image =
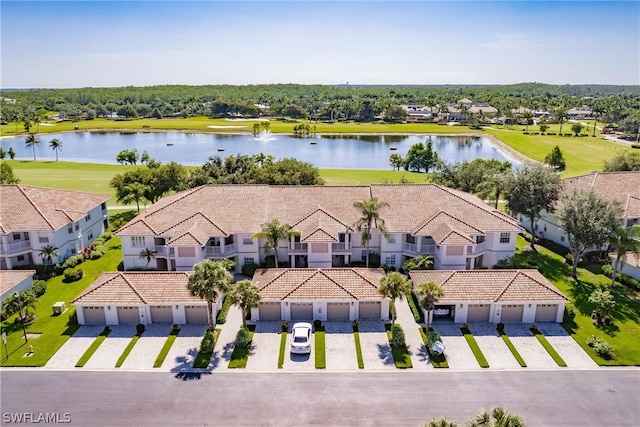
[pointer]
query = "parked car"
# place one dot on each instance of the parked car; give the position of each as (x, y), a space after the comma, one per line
(301, 338)
(438, 347)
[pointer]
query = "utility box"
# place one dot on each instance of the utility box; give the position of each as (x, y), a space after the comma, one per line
(59, 308)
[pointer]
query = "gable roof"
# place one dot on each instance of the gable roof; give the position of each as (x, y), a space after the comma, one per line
(322, 283)
(490, 285)
(317, 212)
(11, 278)
(632, 259)
(139, 287)
(25, 207)
(623, 187)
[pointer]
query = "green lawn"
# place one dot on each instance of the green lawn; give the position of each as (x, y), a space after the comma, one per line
(437, 361)
(93, 348)
(320, 350)
(165, 348)
(203, 359)
(623, 333)
(55, 330)
(475, 348)
(512, 348)
(356, 338)
(401, 357)
(283, 348)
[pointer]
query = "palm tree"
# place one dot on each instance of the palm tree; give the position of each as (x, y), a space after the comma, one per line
(245, 295)
(11, 153)
(133, 192)
(26, 300)
(626, 240)
(561, 116)
(498, 417)
(370, 211)
(394, 286)
(47, 253)
(147, 254)
(430, 293)
(209, 280)
(440, 422)
(272, 232)
(527, 115)
(31, 142)
(56, 145)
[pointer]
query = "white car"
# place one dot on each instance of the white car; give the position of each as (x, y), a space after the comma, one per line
(301, 338)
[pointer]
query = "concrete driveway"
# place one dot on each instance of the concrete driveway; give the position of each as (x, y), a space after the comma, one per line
(492, 345)
(340, 346)
(266, 346)
(112, 347)
(566, 346)
(146, 350)
(185, 348)
(376, 351)
(299, 362)
(69, 354)
(457, 351)
(533, 353)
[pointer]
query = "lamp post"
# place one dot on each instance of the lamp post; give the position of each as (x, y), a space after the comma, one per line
(24, 330)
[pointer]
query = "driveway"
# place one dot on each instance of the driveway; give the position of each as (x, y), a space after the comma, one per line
(146, 350)
(298, 362)
(185, 347)
(266, 346)
(69, 354)
(112, 347)
(566, 346)
(533, 353)
(340, 346)
(492, 345)
(376, 351)
(457, 351)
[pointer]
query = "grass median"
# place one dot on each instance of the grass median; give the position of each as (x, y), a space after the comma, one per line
(475, 348)
(356, 338)
(437, 360)
(400, 354)
(547, 346)
(320, 350)
(165, 348)
(283, 348)
(93, 348)
(240, 355)
(203, 358)
(512, 348)
(128, 349)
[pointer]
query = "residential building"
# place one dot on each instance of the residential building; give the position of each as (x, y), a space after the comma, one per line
(631, 265)
(34, 217)
(457, 229)
(498, 296)
(622, 187)
(12, 281)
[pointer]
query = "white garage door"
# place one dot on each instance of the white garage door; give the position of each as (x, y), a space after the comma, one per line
(161, 314)
(338, 311)
(478, 312)
(94, 315)
(128, 315)
(370, 309)
(197, 314)
(546, 312)
(512, 313)
(301, 311)
(270, 310)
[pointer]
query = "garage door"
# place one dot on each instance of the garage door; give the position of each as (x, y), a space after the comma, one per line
(302, 311)
(161, 314)
(197, 314)
(128, 315)
(546, 312)
(512, 313)
(338, 311)
(370, 309)
(270, 310)
(94, 315)
(478, 312)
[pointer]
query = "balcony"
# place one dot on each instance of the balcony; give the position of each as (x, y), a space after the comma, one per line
(341, 247)
(298, 248)
(221, 251)
(477, 249)
(15, 247)
(423, 250)
(164, 251)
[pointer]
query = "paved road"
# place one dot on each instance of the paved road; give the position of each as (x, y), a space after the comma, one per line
(602, 397)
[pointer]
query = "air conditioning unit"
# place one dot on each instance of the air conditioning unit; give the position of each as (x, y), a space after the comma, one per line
(59, 308)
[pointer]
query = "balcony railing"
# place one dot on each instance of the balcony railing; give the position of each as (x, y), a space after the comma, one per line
(424, 249)
(164, 250)
(478, 248)
(15, 247)
(341, 247)
(298, 247)
(221, 250)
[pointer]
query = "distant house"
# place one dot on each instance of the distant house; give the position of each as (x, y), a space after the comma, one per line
(498, 296)
(622, 187)
(34, 217)
(579, 113)
(631, 266)
(12, 281)
(463, 110)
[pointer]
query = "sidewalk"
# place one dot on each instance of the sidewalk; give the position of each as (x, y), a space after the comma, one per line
(224, 345)
(417, 349)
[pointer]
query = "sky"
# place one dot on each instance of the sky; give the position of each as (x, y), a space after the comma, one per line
(66, 44)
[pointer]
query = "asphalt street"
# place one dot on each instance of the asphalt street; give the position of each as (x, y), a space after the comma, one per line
(599, 397)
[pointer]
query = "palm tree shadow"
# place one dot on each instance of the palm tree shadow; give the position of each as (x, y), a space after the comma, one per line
(228, 349)
(384, 354)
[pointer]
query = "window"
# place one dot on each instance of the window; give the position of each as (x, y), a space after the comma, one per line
(391, 238)
(77, 226)
(90, 235)
(247, 241)
(87, 218)
(16, 236)
(480, 239)
(70, 228)
(20, 258)
(137, 241)
(43, 237)
(562, 238)
(104, 206)
(505, 237)
(248, 260)
(390, 260)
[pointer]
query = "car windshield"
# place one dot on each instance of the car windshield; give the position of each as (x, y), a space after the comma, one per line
(300, 339)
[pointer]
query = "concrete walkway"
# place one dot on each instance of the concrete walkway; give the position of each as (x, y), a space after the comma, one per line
(417, 349)
(229, 330)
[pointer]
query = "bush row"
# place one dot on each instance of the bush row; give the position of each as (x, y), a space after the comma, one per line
(622, 278)
(73, 274)
(414, 304)
(222, 314)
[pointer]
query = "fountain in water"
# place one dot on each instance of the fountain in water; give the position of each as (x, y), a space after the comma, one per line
(264, 136)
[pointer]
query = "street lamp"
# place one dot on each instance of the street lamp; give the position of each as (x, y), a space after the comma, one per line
(24, 330)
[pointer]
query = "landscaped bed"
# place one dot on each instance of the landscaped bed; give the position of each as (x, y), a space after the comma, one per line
(437, 360)
(240, 355)
(203, 358)
(320, 350)
(401, 356)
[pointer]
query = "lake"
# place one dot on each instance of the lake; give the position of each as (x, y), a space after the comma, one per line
(325, 152)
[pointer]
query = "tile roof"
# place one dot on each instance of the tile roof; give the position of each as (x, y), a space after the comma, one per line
(623, 187)
(139, 287)
(36, 208)
(631, 259)
(11, 278)
(318, 211)
(490, 285)
(323, 283)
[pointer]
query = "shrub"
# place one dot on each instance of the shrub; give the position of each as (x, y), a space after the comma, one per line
(534, 326)
(592, 340)
(414, 304)
(243, 338)
(222, 314)
(175, 327)
(569, 259)
(317, 324)
(73, 274)
(626, 280)
(355, 323)
(207, 343)
(569, 314)
(140, 328)
(432, 337)
(73, 319)
(607, 270)
(285, 325)
(397, 336)
(249, 269)
(500, 327)
(39, 287)
(71, 262)
(97, 252)
(602, 347)
(464, 326)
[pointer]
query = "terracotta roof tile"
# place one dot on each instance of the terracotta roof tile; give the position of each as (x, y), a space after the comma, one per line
(632, 259)
(35, 208)
(10, 278)
(623, 187)
(490, 285)
(139, 288)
